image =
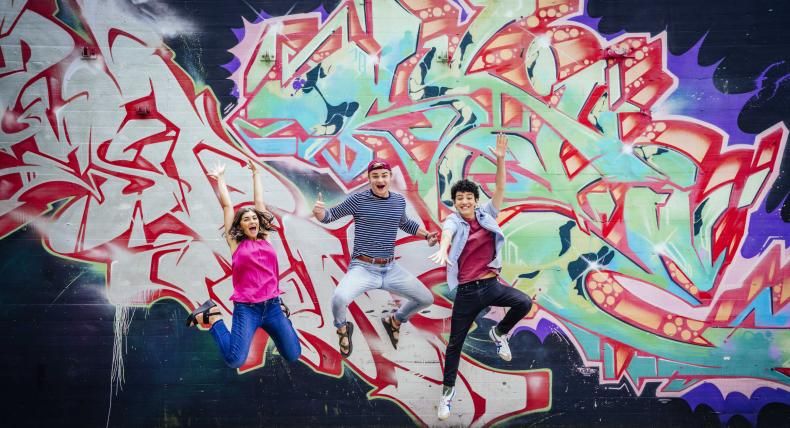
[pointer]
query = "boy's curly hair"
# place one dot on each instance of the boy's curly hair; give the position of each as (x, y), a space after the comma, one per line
(465, 186)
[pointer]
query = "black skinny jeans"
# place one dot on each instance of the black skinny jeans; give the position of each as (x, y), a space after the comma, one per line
(473, 297)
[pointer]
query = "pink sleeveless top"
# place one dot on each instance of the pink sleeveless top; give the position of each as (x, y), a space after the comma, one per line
(256, 275)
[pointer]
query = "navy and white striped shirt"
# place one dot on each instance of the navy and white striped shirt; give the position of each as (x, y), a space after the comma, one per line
(376, 220)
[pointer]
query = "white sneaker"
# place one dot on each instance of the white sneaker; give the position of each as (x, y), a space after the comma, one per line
(444, 404)
(502, 347)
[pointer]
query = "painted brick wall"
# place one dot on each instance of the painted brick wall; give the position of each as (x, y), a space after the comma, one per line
(646, 206)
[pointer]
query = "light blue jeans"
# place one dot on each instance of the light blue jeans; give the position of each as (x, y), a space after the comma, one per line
(363, 277)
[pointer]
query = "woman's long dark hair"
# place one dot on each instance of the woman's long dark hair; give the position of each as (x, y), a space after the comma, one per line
(264, 222)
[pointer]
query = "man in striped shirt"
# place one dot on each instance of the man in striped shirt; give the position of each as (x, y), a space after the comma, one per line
(378, 213)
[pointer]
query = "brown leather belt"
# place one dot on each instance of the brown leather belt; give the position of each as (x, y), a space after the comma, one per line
(375, 260)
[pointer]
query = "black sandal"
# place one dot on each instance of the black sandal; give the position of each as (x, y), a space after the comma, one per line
(347, 336)
(205, 310)
(391, 331)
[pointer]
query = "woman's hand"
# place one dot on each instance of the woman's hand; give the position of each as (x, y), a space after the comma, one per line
(251, 165)
(217, 172)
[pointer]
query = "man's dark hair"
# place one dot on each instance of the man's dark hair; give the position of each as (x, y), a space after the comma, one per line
(465, 186)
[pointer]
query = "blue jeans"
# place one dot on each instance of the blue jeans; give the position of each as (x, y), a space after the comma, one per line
(247, 317)
(363, 277)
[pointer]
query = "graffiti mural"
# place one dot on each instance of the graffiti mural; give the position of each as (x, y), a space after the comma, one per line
(651, 237)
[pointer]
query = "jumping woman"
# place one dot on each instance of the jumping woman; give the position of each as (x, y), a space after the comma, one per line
(256, 290)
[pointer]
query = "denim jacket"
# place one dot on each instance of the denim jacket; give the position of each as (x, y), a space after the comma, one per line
(459, 228)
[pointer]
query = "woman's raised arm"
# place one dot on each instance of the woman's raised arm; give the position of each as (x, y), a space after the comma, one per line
(218, 172)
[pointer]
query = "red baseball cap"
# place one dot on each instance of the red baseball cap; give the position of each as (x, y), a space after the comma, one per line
(378, 164)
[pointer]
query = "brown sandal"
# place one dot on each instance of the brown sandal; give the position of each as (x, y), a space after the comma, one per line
(392, 331)
(347, 336)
